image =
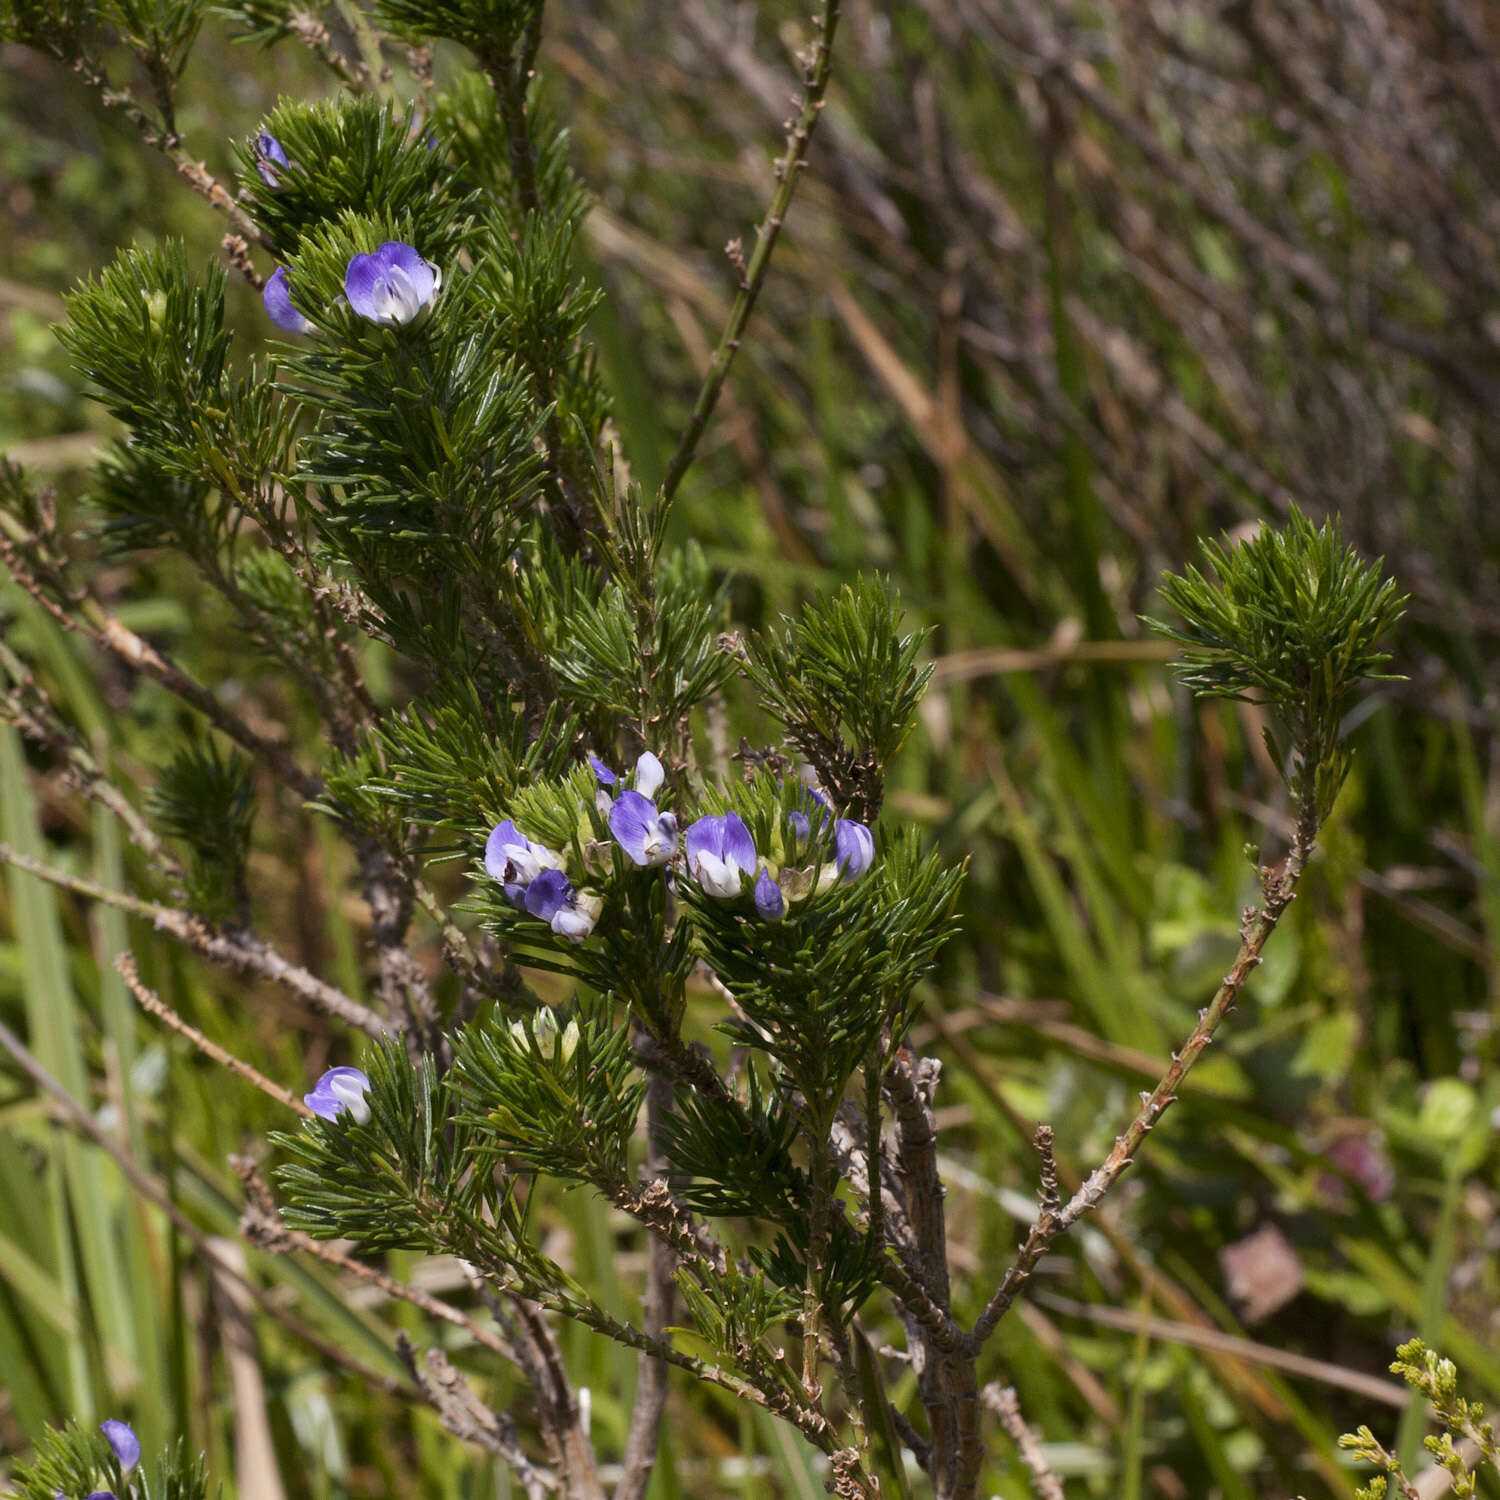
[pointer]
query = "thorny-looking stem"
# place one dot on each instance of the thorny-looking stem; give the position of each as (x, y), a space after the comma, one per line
(656, 1314)
(154, 1005)
(788, 169)
(236, 950)
(1279, 887)
(1002, 1401)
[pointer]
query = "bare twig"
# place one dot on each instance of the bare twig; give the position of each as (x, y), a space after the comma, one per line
(1002, 1401)
(237, 950)
(154, 1005)
(788, 168)
(1280, 887)
(656, 1314)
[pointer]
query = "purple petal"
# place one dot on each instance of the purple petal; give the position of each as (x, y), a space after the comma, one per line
(548, 894)
(98, 1495)
(801, 828)
(769, 901)
(602, 772)
(277, 297)
(495, 857)
(398, 257)
(738, 846)
(269, 156)
(706, 836)
(340, 1089)
(363, 276)
(123, 1440)
(632, 820)
(853, 848)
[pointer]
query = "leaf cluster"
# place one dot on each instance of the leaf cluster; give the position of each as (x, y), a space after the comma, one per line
(207, 800)
(392, 1182)
(1291, 619)
(490, 28)
(845, 680)
(354, 156)
(544, 1099)
(832, 983)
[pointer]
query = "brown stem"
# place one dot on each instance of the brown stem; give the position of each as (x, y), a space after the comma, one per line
(1002, 1401)
(788, 169)
(1280, 886)
(656, 1314)
(236, 950)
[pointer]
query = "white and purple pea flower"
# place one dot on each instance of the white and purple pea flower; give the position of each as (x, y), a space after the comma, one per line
(340, 1090)
(533, 880)
(392, 285)
(853, 848)
(646, 834)
(269, 158)
(721, 856)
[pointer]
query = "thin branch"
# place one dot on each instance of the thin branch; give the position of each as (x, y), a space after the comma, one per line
(788, 170)
(236, 950)
(1002, 1401)
(1280, 887)
(153, 1004)
(644, 1436)
(469, 1419)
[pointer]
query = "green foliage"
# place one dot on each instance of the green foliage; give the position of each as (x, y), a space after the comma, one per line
(832, 983)
(1293, 620)
(547, 1097)
(1462, 1422)
(150, 339)
(354, 157)
(491, 28)
(77, 1460)
(160, 32)
(844, 680)
(207, 800)
(391, 1182)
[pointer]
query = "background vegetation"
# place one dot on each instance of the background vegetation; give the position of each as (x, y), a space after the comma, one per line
(1065, 288)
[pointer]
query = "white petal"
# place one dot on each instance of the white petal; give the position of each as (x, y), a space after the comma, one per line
(649, 774)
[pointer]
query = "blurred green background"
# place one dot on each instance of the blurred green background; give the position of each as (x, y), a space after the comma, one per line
(1065, 288)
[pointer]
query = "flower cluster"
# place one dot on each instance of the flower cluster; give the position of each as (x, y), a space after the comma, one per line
(534, 881)
(392, 286)
(720, 853)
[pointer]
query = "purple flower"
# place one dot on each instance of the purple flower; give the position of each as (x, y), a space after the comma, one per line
(277, 297)
(853, 848)
(602, 773)
(720, 852)
(817, 805)
(513, 860)
(769, 901)
(552, 899)
(340, 1089)
(123, 1440)
(268, 157)
(97, 1495)
(649, 837)
(392, 285)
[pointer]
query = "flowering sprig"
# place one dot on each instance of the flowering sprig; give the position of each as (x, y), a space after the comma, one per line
(646, 834)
